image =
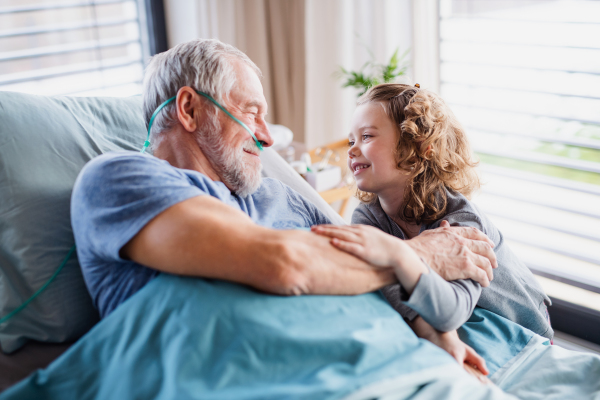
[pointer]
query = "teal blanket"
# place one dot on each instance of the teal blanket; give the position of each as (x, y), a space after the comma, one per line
(185, 338)
(182, 338)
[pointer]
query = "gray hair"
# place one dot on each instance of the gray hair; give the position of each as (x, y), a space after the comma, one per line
(202, 64)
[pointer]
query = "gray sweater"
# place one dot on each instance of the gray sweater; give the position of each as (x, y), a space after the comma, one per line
(513, 293)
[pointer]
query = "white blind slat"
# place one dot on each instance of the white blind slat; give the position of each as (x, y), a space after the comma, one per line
(81, 82)
(563, 83)
(555, 34)
(549, 239)
(36, 75)
(65, 27)
(75, 47)
(541, 104)
(66, 48)
(522, 56)
(55, 6)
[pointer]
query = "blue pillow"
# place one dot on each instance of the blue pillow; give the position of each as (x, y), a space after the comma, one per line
(44, 143)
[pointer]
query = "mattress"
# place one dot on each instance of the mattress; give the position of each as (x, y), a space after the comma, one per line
(34, 355)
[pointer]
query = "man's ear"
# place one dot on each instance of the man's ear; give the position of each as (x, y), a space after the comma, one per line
(187, 106)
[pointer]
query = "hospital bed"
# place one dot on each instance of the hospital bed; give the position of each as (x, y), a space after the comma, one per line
(204, 338)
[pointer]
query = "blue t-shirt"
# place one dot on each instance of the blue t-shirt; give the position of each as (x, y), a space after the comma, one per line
(117, 194)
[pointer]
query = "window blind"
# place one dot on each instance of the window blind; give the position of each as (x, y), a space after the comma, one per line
(523, 77)
(83, 48)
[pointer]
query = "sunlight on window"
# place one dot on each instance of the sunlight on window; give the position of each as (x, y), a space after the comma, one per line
(523, 77)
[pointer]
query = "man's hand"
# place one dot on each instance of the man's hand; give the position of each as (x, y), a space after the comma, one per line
(451, 343)
(457, 253)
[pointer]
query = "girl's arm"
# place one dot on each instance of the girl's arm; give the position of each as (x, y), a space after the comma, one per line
(449, 341)
(378, 249)
(444, 305)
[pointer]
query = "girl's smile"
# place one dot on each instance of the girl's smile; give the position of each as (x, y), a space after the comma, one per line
(358, 168)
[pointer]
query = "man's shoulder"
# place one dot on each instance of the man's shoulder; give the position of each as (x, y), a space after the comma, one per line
(119, 160)
(126, 168)
(274, 184)
(125, 180)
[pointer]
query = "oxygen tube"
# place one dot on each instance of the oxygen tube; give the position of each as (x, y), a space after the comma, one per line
(147, 142)
(40, 290)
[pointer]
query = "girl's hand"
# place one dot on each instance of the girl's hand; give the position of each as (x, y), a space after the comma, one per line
(365, 242)
(472, 362)
(462, 353)
(378, 249)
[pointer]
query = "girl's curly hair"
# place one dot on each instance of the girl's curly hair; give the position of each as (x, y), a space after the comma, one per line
(432, 147)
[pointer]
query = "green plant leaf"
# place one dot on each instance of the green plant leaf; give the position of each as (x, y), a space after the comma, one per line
(372, 73)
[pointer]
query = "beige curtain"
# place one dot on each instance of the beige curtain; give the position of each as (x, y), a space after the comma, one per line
(271, 33)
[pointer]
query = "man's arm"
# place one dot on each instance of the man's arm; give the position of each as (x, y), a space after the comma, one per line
(203, 237)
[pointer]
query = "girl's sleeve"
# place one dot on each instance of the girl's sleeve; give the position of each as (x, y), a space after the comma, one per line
(447, 305)
(444, 305)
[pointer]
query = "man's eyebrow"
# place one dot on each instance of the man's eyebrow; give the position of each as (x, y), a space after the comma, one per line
(254, 103)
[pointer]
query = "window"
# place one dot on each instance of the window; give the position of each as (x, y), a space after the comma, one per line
(82, 48)
(523, 77)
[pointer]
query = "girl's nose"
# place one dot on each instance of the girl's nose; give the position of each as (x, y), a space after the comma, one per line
(353, 151)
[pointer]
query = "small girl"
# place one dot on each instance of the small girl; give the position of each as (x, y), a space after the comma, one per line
(413, 169)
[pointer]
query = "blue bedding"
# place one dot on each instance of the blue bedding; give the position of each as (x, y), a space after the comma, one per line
(184, 338)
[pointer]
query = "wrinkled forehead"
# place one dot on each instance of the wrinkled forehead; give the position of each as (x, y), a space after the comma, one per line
(247, 90)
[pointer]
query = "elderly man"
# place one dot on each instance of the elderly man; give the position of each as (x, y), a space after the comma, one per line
(198, 207)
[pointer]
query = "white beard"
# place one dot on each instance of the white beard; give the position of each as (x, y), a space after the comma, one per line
(241, 177)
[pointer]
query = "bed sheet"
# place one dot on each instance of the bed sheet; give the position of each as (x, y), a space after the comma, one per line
(184, 338)
(544, 372)
(188, 338)
(23, 362)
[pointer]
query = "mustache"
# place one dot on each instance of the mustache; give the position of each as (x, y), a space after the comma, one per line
(251, 147)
